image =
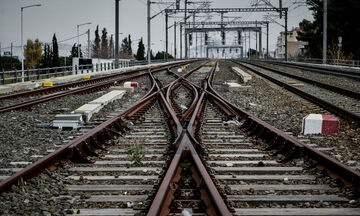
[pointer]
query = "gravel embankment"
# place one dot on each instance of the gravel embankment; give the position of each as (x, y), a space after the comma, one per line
(334, 80)
(285, 111)
(39, 196)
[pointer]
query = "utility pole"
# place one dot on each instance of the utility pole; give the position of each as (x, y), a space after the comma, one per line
(325, 32)
(175, 40)
(244, 48)
(192, 35)
(186, 41)
(260, 43)
(166, 36)
(181, 42)
(249, 47)
(89, 43)
(148, 32)
(256, 40)
(117, 33)
(11, 53)
(267, 40)
(286, 33)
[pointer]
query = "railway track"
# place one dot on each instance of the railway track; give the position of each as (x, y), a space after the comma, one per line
(340, 101)
(210, 159)
(352, 74)
(11, 101)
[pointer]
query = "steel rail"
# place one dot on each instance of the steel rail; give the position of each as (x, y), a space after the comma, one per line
(164, 196)
(287, 145)
(326, 105)
(81, 147)
(316, 69)
(91, 88)
(346, 92)
(92, 139)
(75, 84)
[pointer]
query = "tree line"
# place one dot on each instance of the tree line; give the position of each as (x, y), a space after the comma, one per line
(38, 55)
(342, 22)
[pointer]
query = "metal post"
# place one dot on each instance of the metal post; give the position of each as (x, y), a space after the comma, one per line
(78, 42)
(148, 32)
(267, 40)
(11, 53)
(117, 34)
(286, 33)
(196, 45)
(244, 46)
(181, 41)
(166, 36)
(175, 40)
(22, 42)
(22, 47)
(186, 41)
(325, 32)
(249, 47)
(256, 41)
(89, 44)
(1, 67)
(260, 43)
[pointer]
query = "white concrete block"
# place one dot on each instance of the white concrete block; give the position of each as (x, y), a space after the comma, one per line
(320, 124)
(234, 86)
(88, 110)
(109, 97)
(243, 75)
(131, 84)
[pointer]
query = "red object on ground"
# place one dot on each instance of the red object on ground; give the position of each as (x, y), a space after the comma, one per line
(131, 84)
(320, 124)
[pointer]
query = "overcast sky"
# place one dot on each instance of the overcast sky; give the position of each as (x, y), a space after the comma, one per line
(62, 16)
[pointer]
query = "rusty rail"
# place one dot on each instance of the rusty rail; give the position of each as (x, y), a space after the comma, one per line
(185, 145)
(65, 86)
(325, 104)
(83, 146)
(285, 144)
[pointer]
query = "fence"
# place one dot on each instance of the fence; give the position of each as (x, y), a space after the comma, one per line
(8, 77)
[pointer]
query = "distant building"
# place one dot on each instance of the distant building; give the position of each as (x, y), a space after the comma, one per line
(8, 54)
(295, 47)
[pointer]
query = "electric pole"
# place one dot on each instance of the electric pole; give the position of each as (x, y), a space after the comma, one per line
(148, 32)
(117, 33)
(325, 32)
(186, 42)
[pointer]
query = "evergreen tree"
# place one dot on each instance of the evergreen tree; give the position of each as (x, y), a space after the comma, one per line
(111, 48)
(55, 53)
(152, 57)
(129, 52)
(342, 22)
(46, 60)
(74, 51)
(104, 45)
(96, 44)
(140, 54)
(124, 49)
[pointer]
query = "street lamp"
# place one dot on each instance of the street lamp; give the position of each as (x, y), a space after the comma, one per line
(78, 48)
(22, 36)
